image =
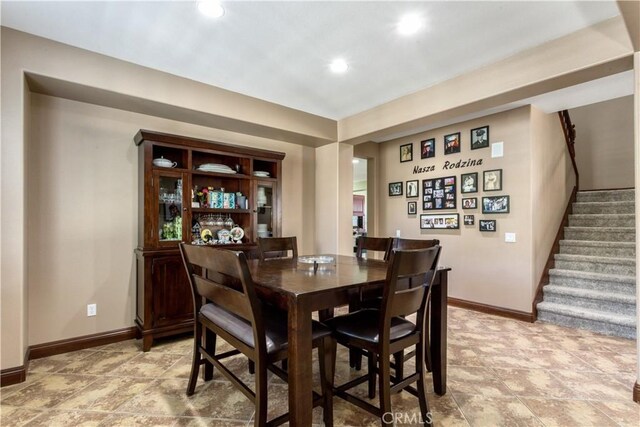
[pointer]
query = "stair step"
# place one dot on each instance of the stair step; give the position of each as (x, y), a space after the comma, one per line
(605, 234)
(605, 301)
(584, 318)
(587, 280)
(596, 264)
(603, 208)
(606, 195)
(602, 220)
(594, 248)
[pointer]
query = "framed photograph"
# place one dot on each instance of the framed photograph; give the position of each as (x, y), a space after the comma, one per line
(406, 153)
(452, 143)
(412, 208)
(495, 204)
(487, 225)
(412, 188)
(395, 188)
(480, 137)
(492, 180)
(439, 193)
(428, 148)
(470, 203)
(469, 220)
(440, 221)
(469, 182)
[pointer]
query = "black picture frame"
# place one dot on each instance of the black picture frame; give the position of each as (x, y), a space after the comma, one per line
(496, 204)
(428, 148)
(439, 193)
(452, 143)
(446, 221)
(413, 189)
(395, 188)
(406, 152)
(412, 208)
(469, 183)
(492, 180)
(479, 137)
(469, 203)
(487, 225)
(469, 220)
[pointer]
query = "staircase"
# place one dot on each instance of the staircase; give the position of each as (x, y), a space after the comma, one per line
(593, 284)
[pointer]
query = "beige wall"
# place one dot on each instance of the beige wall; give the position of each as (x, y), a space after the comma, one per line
(485, 269)
(552, 181)
(82, 211)
(604, 144)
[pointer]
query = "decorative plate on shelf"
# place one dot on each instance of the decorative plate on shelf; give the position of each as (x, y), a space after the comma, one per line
(223, 235)
(236, 233)
(206, 235)
(262, 174)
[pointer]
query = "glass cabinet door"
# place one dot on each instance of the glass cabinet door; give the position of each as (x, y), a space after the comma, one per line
(170, 224)
(266, 209)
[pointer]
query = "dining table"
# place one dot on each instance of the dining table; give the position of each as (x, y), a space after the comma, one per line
(303, 288)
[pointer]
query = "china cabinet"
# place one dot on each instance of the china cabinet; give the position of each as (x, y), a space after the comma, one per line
(201, 192)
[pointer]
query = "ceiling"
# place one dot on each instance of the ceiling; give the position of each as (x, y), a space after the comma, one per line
(280, 51)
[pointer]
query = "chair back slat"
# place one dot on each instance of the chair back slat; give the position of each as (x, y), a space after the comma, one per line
(408, 266)
(277, 247)
(404, 244)
(378, 244)
(224, 296)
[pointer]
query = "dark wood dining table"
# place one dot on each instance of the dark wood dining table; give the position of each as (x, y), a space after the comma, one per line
(301, 290)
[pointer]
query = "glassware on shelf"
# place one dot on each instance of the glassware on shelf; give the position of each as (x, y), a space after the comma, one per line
(228, 223)
(219, 222)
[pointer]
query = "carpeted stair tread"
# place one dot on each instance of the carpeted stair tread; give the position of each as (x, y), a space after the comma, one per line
(595, 259)
(602, 220)
(585, 313)
(593, 276)
(615, 207)
(608, 195)
(608, 229)
(598, 244)
(591, 294)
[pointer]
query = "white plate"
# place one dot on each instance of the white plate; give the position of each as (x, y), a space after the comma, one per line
(236, 233)
(261, 173)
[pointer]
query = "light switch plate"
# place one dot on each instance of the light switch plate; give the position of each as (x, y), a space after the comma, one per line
(510, 237)
(397, 233)
(497, 149)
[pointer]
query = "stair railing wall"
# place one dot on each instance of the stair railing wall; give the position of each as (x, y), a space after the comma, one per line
(569, 130)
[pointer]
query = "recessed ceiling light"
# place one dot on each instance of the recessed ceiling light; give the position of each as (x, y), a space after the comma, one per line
(211, 8)
(339, 66)
(409, 24)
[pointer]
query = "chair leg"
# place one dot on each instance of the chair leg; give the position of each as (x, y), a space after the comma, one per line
(327, 358)
(251, 366)
(398, 360)
(285, 364)
(355, 359)
(210, 346)
(384, 375)
(373, 362)
(261, 395)
(197, 357)
(422, 386)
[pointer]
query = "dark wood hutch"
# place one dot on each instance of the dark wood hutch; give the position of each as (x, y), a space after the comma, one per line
(168, 215)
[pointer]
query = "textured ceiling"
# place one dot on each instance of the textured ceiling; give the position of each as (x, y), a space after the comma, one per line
(280, 51)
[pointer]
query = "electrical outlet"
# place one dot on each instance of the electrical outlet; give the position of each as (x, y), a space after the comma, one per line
(92, 310)
(397, 233)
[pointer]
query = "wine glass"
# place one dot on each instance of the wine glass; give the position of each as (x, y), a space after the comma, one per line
(228, 223)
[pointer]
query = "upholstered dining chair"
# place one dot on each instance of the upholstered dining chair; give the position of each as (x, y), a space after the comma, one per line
(381, 332)
(277, 247)
(226, 305)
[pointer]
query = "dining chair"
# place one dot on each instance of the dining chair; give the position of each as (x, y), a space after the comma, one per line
(381, 332)
(368, 244)
(226, 305)
(277, 247)
(372, 300)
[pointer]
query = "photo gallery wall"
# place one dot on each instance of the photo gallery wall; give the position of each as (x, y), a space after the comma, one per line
(441, 194)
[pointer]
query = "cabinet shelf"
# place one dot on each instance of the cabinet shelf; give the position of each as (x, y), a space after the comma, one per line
(213, 210)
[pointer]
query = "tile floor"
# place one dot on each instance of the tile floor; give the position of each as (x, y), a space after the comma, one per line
(501, 373)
